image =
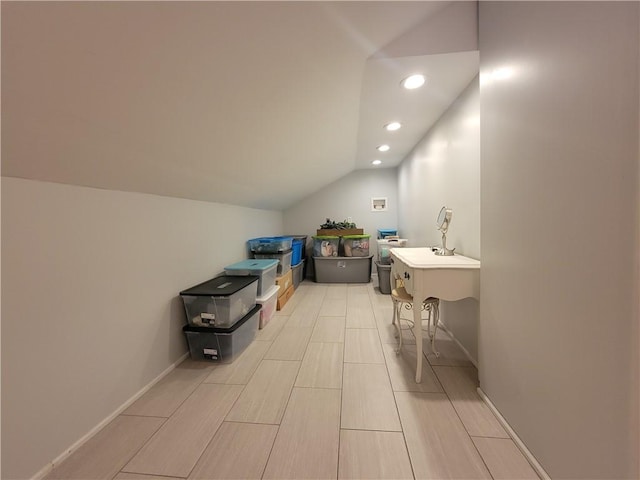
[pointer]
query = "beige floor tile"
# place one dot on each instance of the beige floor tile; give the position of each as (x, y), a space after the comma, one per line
(177, 445)
(241, 369)
(166, 396)
(450, 353)
(373, 455)
(402, 371)
(305, 315)
(112, 447)
(504, 459)
(336, 291)
(321, 366)
(357, 289)
(272, 329)
(290, 344)
(362, 345)
(439, 446)
(367, 399)
(329, 329)
(265, 396)
(140, 476)
(388, 333)
(307, 443)
(460, 384)
(237, 451)
(359, 312)
(333, 307)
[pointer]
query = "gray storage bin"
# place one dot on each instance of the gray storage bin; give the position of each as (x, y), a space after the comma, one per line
(298, 274)
(220, 302)
(222, 344)
(384, 278)
(342, 269)
(284, 260)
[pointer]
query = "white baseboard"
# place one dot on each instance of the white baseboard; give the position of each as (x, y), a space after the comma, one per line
(45, 471)
(453, 337)
(520, 444)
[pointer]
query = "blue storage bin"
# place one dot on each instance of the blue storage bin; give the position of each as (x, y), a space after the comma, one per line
(270, 244)
(296, 252)
(387, 232)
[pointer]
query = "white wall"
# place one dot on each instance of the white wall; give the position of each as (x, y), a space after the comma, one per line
(444, 169)
(90, 305)
(560, 213)
(349, 196)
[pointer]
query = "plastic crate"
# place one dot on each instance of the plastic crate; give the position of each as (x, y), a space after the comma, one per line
(264, 269)
(270, 244)
(298, 274)
(222, 344)
(385, 245)
(220, 302)
(342, 269)
(325, 246)
(387, 232)
(268, 303)
(296, 251)
(284, 260)
(384, 278)
(356, 245)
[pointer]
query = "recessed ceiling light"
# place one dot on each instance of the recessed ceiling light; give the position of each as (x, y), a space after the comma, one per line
(376, 162)
(383, 148)
(392, 126)
(413, 81)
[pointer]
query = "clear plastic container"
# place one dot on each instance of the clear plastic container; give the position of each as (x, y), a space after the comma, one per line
(356, 245)
(220, 302)
(268, 303)
(325, 246)
(264, 269)
(284, 260)
(385, 245)
(270, 244)
(222, 344)
(387, 232)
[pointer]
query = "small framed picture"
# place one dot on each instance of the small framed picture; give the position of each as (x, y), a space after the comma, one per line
(378, 204)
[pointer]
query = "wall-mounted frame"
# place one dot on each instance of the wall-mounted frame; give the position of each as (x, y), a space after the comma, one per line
(378, 204)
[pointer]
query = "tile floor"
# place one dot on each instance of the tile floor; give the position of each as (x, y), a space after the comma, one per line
(321, 394)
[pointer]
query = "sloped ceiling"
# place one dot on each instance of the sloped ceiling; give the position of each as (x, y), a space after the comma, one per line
(249, 103)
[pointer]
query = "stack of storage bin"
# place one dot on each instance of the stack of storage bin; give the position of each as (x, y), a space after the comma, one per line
(353, 267)
(222, 317)
(297, 261)
(278, 248)
(383, 263)
(267, 294)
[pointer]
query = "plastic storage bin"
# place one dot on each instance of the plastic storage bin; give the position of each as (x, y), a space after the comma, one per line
(268, 303)
(298, 274)
(264, 269)
(270, 244)
(385, 245)
(342, 269)
(387, 232)
(384, 278)
(284, 260)
(325, 246)
(222, 344)
(356, 245)
(220, 302)
(296, 251)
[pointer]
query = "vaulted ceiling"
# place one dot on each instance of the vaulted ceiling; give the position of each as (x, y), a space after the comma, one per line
(249, 103)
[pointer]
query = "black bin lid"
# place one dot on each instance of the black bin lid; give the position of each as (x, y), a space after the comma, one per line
(231, 329)
(222, 286)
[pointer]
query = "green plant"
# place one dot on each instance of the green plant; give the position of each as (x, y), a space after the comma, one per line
(331, 225)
